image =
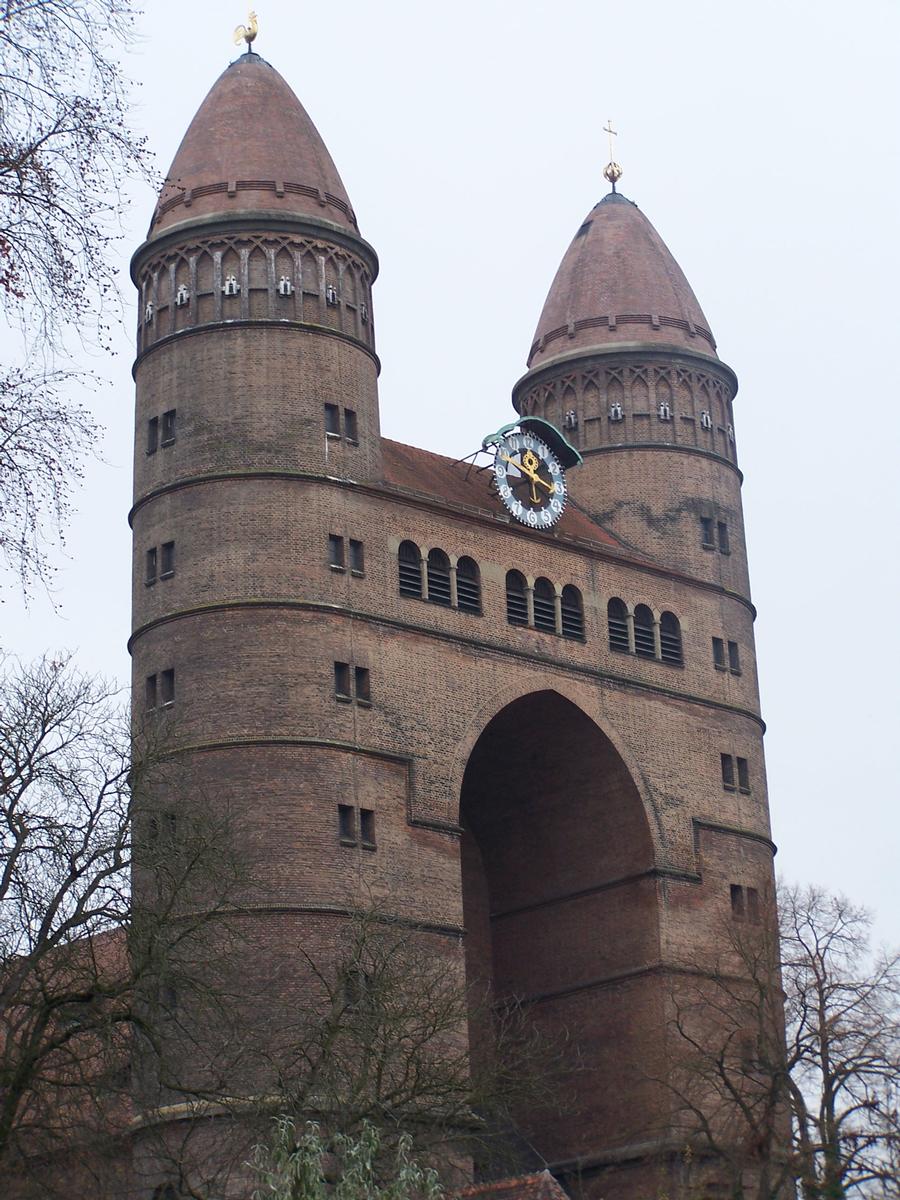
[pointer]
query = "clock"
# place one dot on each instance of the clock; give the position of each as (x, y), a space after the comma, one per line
(530, 479)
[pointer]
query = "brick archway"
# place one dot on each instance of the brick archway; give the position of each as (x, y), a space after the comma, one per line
(560, 903)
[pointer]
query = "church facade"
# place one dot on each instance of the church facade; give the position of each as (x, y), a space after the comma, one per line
(534, 741)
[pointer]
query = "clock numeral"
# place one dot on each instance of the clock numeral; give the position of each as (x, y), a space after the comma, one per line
(505, 491)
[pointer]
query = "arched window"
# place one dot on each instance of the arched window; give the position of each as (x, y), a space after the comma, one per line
(438, 577)
(516, 600)
(644, 642)
(572, 612)
(409, 565)
(468, 585)
(545, 605)
(670, 638)
(617, 618)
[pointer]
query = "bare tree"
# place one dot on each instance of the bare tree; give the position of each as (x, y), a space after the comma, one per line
(83, 973)
(787, 1057)
(66, 150)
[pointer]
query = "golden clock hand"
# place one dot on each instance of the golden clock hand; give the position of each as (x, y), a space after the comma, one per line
(532, 475)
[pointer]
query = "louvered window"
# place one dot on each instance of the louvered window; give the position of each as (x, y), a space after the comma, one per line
(409, 564)
(516, 601)
(572, 612)
(670, 638)
(644, 643)
(617, 618)
(468, 585)
(545, 606)
(438, 577)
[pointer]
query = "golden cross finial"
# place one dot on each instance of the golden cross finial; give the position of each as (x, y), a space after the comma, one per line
(612, 171)
(247, 33)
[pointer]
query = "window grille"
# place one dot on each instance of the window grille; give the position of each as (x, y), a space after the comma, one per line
(670, 639)
(617, 619)
(572, 612)
(516, 599)
(545, 606)
(468, 586)
(409, 566)
(644, 641)
(438, 577)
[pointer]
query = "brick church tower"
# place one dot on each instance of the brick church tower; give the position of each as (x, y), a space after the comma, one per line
(538, 750)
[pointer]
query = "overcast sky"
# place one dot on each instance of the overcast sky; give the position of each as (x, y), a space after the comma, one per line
(761, 140)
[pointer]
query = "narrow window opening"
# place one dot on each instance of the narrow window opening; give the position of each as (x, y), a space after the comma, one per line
(753, 911)
(734, 658)
(357, 558)
(724, 544)
(409, 568)
(727, 772)
(707, 533)
(468, 586)
(545, 606)
(167, 686)
(367, 828)
(438, 577)
(719, 653)
(336, 552)
(516, 599)
(150, 573)
(347, 824)
(572, 613)
(743, 773)
(363, 690)
(332, 421)
(351, 432)
(168, 427)
(152, 435)
(342, 681)
(617, 619)
(670, 639)
(151, 691)
(167, 560)
(737, 901)
(644, 642)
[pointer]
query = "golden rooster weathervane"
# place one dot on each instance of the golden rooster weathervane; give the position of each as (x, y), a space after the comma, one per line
(612, 171)
(247, 33)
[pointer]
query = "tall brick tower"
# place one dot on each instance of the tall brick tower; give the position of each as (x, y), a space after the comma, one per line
(540, 751)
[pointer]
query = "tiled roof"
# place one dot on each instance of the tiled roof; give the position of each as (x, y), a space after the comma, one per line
(460, 483)
(541, 1186)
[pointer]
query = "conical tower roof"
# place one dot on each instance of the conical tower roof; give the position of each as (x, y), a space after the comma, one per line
(618, 284)
(251, 148)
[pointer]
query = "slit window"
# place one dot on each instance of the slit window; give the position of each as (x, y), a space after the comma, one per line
(367, 828)
(644, 639)
(516, 598)
(438, 577)
(168, 427)
(572, 613)
(743, 775)
(357, 558)
(727, 772)
(347, 824)
(153, 435)
(718, 646)
(670, 639)
(362, 685)
(409, 569)
(722, 534)
(753, 911)
(351, 432)
(151, 691)
(617, 619)
(332, 421)
(336, 558)
(167, 560)
(468, 586)
(738, 908)
(707, 533)
(734, 658)
(545, 606)
(150, 571)
(167, 686)
(342, 681)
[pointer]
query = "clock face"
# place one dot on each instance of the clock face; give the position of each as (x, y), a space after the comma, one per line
(530, 481)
